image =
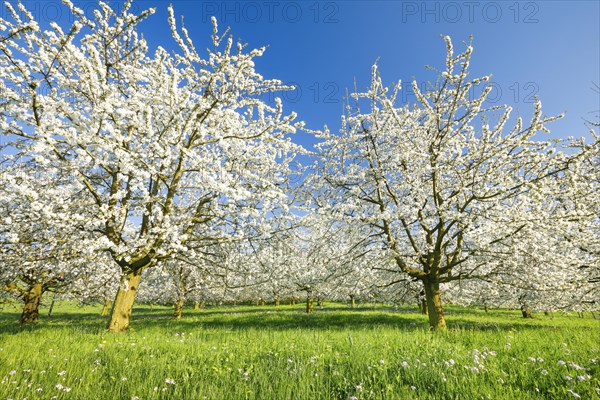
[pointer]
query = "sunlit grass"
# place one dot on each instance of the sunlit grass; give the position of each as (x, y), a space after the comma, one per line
(250, 352)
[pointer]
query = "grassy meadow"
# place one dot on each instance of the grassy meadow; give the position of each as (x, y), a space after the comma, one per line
(268, 352)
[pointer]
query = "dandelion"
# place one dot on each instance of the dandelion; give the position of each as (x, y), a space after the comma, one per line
(11, 373)
(561, 362)
(582, 378)
(59, 386)
(381, 362)
(123, 379)
(413, 387)
(575, 395)
(358, 387)
(569, 378)
(169, 381)
(544, 372)
(353, 398)
(67, 389)
(61, 373)
(405, 364)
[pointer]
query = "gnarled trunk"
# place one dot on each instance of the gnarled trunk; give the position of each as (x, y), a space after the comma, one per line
(31, 308)
(123, 304)
(178, 308)
(434, 304)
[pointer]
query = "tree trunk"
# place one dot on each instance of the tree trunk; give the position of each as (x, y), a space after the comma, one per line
(277, 300)
(423, 306)
(422, 302)
(352, 301)
(31, 309)
(485, 308)
(434, 305)
(123, 304)
(105, 308)
(52, 306)
(309, 303)
(178, 308)
(196, 305)
(526, 312)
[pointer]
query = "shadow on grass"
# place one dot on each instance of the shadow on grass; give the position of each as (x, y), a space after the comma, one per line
(332, 317)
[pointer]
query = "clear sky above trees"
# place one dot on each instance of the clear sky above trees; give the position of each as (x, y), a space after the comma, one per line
(544, 48)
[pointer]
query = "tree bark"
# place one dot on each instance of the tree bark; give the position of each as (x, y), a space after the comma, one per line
(179, 308)
(123, 304)
(31, 309)
(526, 312)
(434, 304)
(309, 303)
(196, 305)
(105, 308)
(277, 300)
(352, 301)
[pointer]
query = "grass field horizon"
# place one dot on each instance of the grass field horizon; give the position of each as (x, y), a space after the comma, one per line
(269, 352)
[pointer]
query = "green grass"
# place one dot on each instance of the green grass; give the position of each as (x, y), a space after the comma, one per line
(250, 352)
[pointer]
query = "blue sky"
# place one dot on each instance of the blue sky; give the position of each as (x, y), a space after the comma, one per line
(544, 48)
